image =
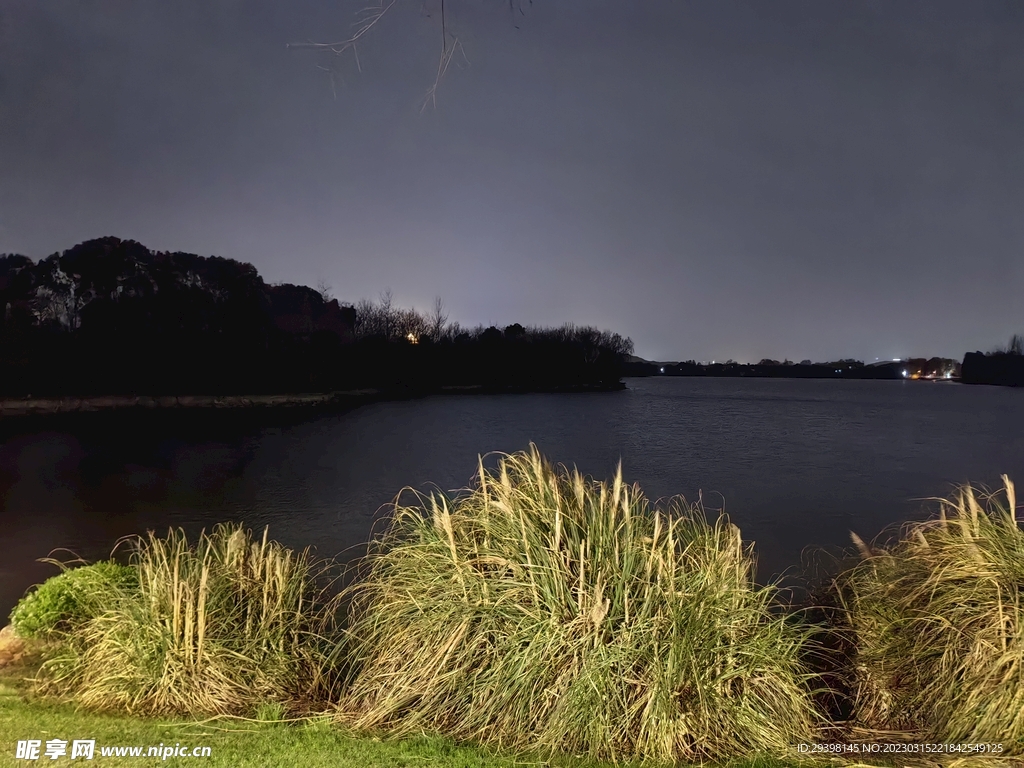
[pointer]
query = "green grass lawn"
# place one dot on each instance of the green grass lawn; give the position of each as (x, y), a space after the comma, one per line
(231, 744)
(236, 743)
(309, 744)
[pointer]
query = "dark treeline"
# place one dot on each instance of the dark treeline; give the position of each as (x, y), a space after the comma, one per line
(1001, 366)
(111, 317)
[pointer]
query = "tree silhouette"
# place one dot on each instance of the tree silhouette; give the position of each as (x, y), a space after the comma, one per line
(437, 322)
(1016, 345)
(108, 316)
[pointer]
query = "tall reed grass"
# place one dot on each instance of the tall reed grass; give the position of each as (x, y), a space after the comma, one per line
(220, 626)
(548, 612)
(938, 624)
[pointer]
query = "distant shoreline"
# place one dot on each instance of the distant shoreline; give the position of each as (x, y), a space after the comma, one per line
(52, 406)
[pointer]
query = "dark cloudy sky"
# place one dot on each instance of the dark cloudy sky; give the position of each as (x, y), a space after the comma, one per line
(714, 179)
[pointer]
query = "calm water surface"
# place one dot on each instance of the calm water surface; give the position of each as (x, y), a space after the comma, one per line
(797, 463)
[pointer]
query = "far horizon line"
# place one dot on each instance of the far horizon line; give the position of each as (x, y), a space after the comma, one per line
(803, 361)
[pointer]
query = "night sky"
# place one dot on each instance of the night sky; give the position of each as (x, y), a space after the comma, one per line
(714, 179)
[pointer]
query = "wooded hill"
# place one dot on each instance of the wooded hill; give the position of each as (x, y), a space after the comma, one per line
(109, 316)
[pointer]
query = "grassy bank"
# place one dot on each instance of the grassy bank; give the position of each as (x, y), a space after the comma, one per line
(317, 743)
(313, 742)
(22, 408)
(547, 615)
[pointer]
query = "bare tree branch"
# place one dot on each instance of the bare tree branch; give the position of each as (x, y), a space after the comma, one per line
(438, 320)
(325, 290)
(442, 67)
(368, 18)
(372, 15)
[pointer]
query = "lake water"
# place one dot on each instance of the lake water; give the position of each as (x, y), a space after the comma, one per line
(797, 462)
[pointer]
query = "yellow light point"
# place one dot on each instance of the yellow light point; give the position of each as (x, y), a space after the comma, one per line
(413, 338)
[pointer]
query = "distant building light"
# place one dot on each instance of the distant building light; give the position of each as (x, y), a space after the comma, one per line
(904, 374)
(663, 369)
(413, 338)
